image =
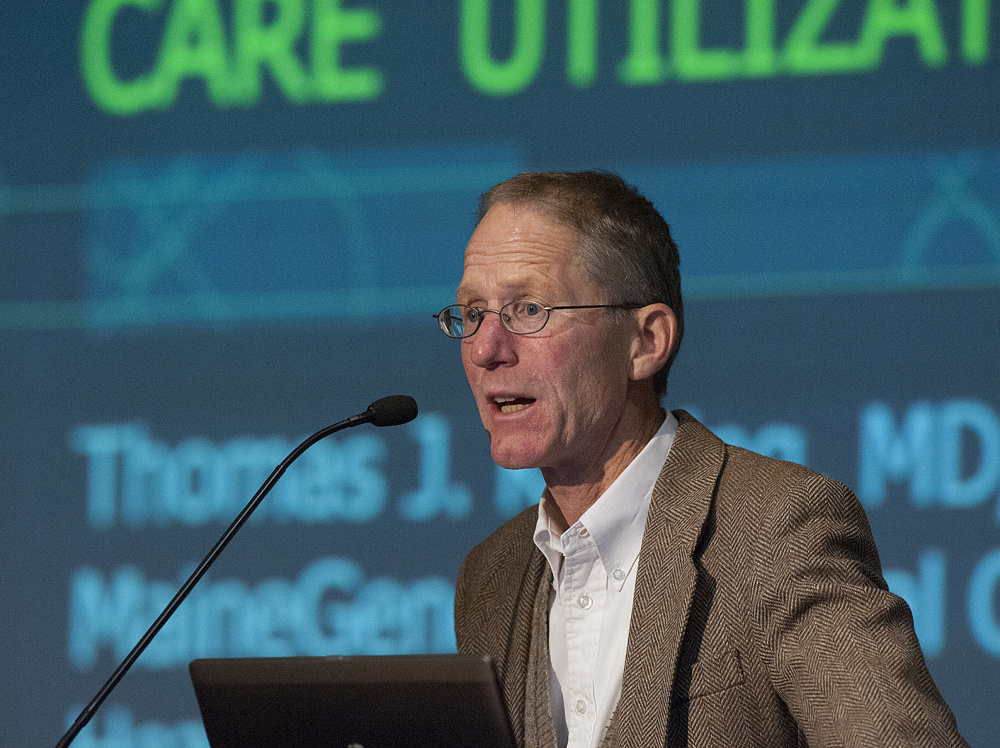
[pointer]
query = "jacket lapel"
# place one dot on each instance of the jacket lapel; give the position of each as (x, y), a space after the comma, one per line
(516, 575)
(539, 729)
(665, 584)
(516, 669)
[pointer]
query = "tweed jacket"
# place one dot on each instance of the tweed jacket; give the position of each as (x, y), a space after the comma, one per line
(760, 616)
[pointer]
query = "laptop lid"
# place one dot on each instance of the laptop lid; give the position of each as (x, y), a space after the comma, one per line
(351, 702)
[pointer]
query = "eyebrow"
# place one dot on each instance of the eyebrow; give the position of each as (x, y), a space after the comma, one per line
(510, 289)
(460, 291)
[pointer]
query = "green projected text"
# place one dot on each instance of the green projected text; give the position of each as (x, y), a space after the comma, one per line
(266, 34)
(231, 44)
(665, 41)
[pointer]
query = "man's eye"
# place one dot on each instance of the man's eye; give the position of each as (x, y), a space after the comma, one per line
(473, 315)
(531, 309)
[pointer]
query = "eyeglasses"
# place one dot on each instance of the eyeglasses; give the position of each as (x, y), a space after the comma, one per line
(520, 317)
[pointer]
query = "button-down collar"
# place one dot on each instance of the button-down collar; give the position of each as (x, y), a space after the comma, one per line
(617, 519)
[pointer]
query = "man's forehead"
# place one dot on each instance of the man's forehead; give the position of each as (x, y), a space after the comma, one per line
(512, 273)
(516, 238)
(510, 282)
(516, 221)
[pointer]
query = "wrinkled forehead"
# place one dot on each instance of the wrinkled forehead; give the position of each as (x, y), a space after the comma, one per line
(523, 233)
(517, 248)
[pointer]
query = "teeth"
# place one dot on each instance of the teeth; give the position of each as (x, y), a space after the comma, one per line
(508, 404)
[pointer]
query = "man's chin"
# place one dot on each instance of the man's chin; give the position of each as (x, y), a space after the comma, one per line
(513, 459)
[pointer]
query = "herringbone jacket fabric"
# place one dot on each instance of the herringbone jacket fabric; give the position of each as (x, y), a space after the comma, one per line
(760, 617)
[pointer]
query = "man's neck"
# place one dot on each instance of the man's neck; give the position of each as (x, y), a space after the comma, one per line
(573, 494)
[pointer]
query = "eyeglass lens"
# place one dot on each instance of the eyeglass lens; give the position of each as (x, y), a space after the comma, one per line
(521, 317)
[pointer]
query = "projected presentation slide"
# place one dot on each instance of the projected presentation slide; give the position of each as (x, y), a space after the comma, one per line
(226, 224)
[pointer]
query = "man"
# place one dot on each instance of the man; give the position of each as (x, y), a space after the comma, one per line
(669, 589)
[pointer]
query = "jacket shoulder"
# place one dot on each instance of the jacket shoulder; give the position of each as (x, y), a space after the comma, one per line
(511, 539)
(489, 579)
(753, 480)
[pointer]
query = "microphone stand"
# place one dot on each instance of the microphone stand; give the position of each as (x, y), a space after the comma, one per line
(388, 411)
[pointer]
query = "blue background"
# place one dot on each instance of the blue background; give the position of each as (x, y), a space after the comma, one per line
(205, 285)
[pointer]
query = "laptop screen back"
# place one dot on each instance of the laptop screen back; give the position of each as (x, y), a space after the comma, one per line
(356, 702)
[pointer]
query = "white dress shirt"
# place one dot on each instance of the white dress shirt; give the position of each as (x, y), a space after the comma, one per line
(593, 568)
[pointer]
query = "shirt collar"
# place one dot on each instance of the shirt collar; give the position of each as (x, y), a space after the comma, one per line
(617, 520)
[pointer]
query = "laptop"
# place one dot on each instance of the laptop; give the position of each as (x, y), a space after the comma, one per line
(351, 702)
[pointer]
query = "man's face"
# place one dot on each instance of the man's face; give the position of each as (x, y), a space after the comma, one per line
(554, 399)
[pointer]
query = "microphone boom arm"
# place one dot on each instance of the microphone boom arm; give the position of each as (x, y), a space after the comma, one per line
(387, 411)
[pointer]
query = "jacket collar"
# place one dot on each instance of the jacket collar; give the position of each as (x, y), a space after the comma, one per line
(682, 499)
(679, 508)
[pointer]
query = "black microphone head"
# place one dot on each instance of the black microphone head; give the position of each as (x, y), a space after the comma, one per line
(392, 410)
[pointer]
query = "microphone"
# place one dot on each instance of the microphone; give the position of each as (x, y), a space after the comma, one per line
(387, 411)
(392, 411)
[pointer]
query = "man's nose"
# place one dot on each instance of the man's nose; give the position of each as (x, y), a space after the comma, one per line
(493, 344)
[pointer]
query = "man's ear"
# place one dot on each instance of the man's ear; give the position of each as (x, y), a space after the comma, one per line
(656, 334)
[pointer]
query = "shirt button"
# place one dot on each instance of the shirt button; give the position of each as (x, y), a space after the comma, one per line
(618, 574)
(581, 706)
(583, 532)
(585, 601)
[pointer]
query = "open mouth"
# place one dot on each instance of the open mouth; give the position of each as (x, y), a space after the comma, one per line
(508, 404)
